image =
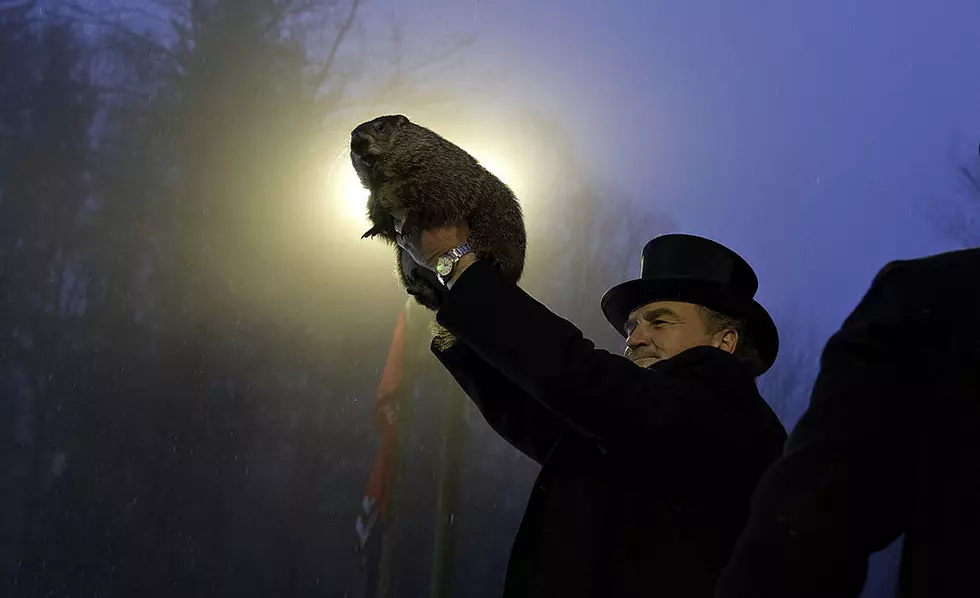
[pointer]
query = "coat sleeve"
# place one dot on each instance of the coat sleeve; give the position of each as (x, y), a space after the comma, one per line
(523, 422)
(603, 396)
(842, 488)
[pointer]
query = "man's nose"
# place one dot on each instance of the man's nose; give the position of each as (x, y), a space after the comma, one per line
(637, 339)
(359, 143)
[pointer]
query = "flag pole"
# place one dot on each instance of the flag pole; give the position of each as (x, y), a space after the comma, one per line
(450, 469)
(403, 424)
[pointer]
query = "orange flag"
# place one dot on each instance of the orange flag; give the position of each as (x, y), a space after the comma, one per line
(390, 391)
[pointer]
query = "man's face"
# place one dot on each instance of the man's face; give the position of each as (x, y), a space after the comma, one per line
(662, 329)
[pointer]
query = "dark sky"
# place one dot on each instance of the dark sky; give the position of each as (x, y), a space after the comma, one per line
(812, 137)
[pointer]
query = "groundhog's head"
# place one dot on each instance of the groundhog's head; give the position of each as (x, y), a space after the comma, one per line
(370, 141)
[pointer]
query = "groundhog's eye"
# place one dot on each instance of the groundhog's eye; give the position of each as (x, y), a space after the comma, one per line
(379, 127)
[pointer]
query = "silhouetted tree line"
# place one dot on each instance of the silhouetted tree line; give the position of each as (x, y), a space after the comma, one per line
(175, 360)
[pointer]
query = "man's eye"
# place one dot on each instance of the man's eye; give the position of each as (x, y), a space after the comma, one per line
(659, 322)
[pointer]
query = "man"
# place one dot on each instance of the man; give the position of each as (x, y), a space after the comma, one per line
(890, 444)
(649, 460)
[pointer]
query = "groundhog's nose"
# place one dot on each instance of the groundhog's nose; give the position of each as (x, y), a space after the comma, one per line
(359, 144)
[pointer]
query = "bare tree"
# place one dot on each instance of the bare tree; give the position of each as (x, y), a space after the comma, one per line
(587, 238)
(967, 228)
(348, 67)
(787, 385)
(959, 216)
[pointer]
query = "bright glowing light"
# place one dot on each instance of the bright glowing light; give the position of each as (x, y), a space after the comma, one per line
(355, 195)
(347, 191)
(500, 167)
(490, 164)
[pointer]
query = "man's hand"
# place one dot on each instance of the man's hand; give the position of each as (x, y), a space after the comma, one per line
(425, 246)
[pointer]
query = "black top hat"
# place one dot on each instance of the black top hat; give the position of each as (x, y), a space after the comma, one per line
(693, 269)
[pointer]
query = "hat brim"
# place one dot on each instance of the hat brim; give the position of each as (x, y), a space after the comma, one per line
(619, 301)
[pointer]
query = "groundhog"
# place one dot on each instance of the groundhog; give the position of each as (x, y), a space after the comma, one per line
(407, 167)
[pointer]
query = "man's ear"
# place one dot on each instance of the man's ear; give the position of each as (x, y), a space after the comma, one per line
(728, 341)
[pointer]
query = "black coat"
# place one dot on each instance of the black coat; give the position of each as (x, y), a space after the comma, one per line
(646, 473)
(890, 444)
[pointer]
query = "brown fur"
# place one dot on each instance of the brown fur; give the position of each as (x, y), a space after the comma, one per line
(408, 167)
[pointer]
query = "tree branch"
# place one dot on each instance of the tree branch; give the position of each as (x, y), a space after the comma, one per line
(109, 90)
(324, 73)
(115, 26)
(19, 8)
(458, 44)
(971, 179)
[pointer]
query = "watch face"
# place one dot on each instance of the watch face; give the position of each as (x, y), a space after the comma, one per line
(445, 265)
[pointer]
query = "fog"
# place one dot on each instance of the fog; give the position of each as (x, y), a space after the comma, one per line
(193, 333)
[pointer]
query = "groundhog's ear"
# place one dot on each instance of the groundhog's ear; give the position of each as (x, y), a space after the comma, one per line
(401, 121)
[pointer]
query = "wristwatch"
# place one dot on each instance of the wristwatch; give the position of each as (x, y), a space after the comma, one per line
(447, 261)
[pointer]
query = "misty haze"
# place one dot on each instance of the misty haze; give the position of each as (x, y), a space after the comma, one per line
(211, 385)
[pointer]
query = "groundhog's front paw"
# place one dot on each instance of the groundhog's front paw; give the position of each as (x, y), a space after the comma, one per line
(380, 231)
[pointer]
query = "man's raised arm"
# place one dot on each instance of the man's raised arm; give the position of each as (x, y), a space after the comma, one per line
(603, 396)
(528, 425)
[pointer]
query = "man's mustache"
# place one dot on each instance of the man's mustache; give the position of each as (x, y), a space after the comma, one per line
(643, 353)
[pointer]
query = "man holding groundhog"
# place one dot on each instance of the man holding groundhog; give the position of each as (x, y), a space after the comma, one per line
(648, 460)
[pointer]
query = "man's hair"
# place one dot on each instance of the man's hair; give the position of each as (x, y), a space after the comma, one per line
(745, 350)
